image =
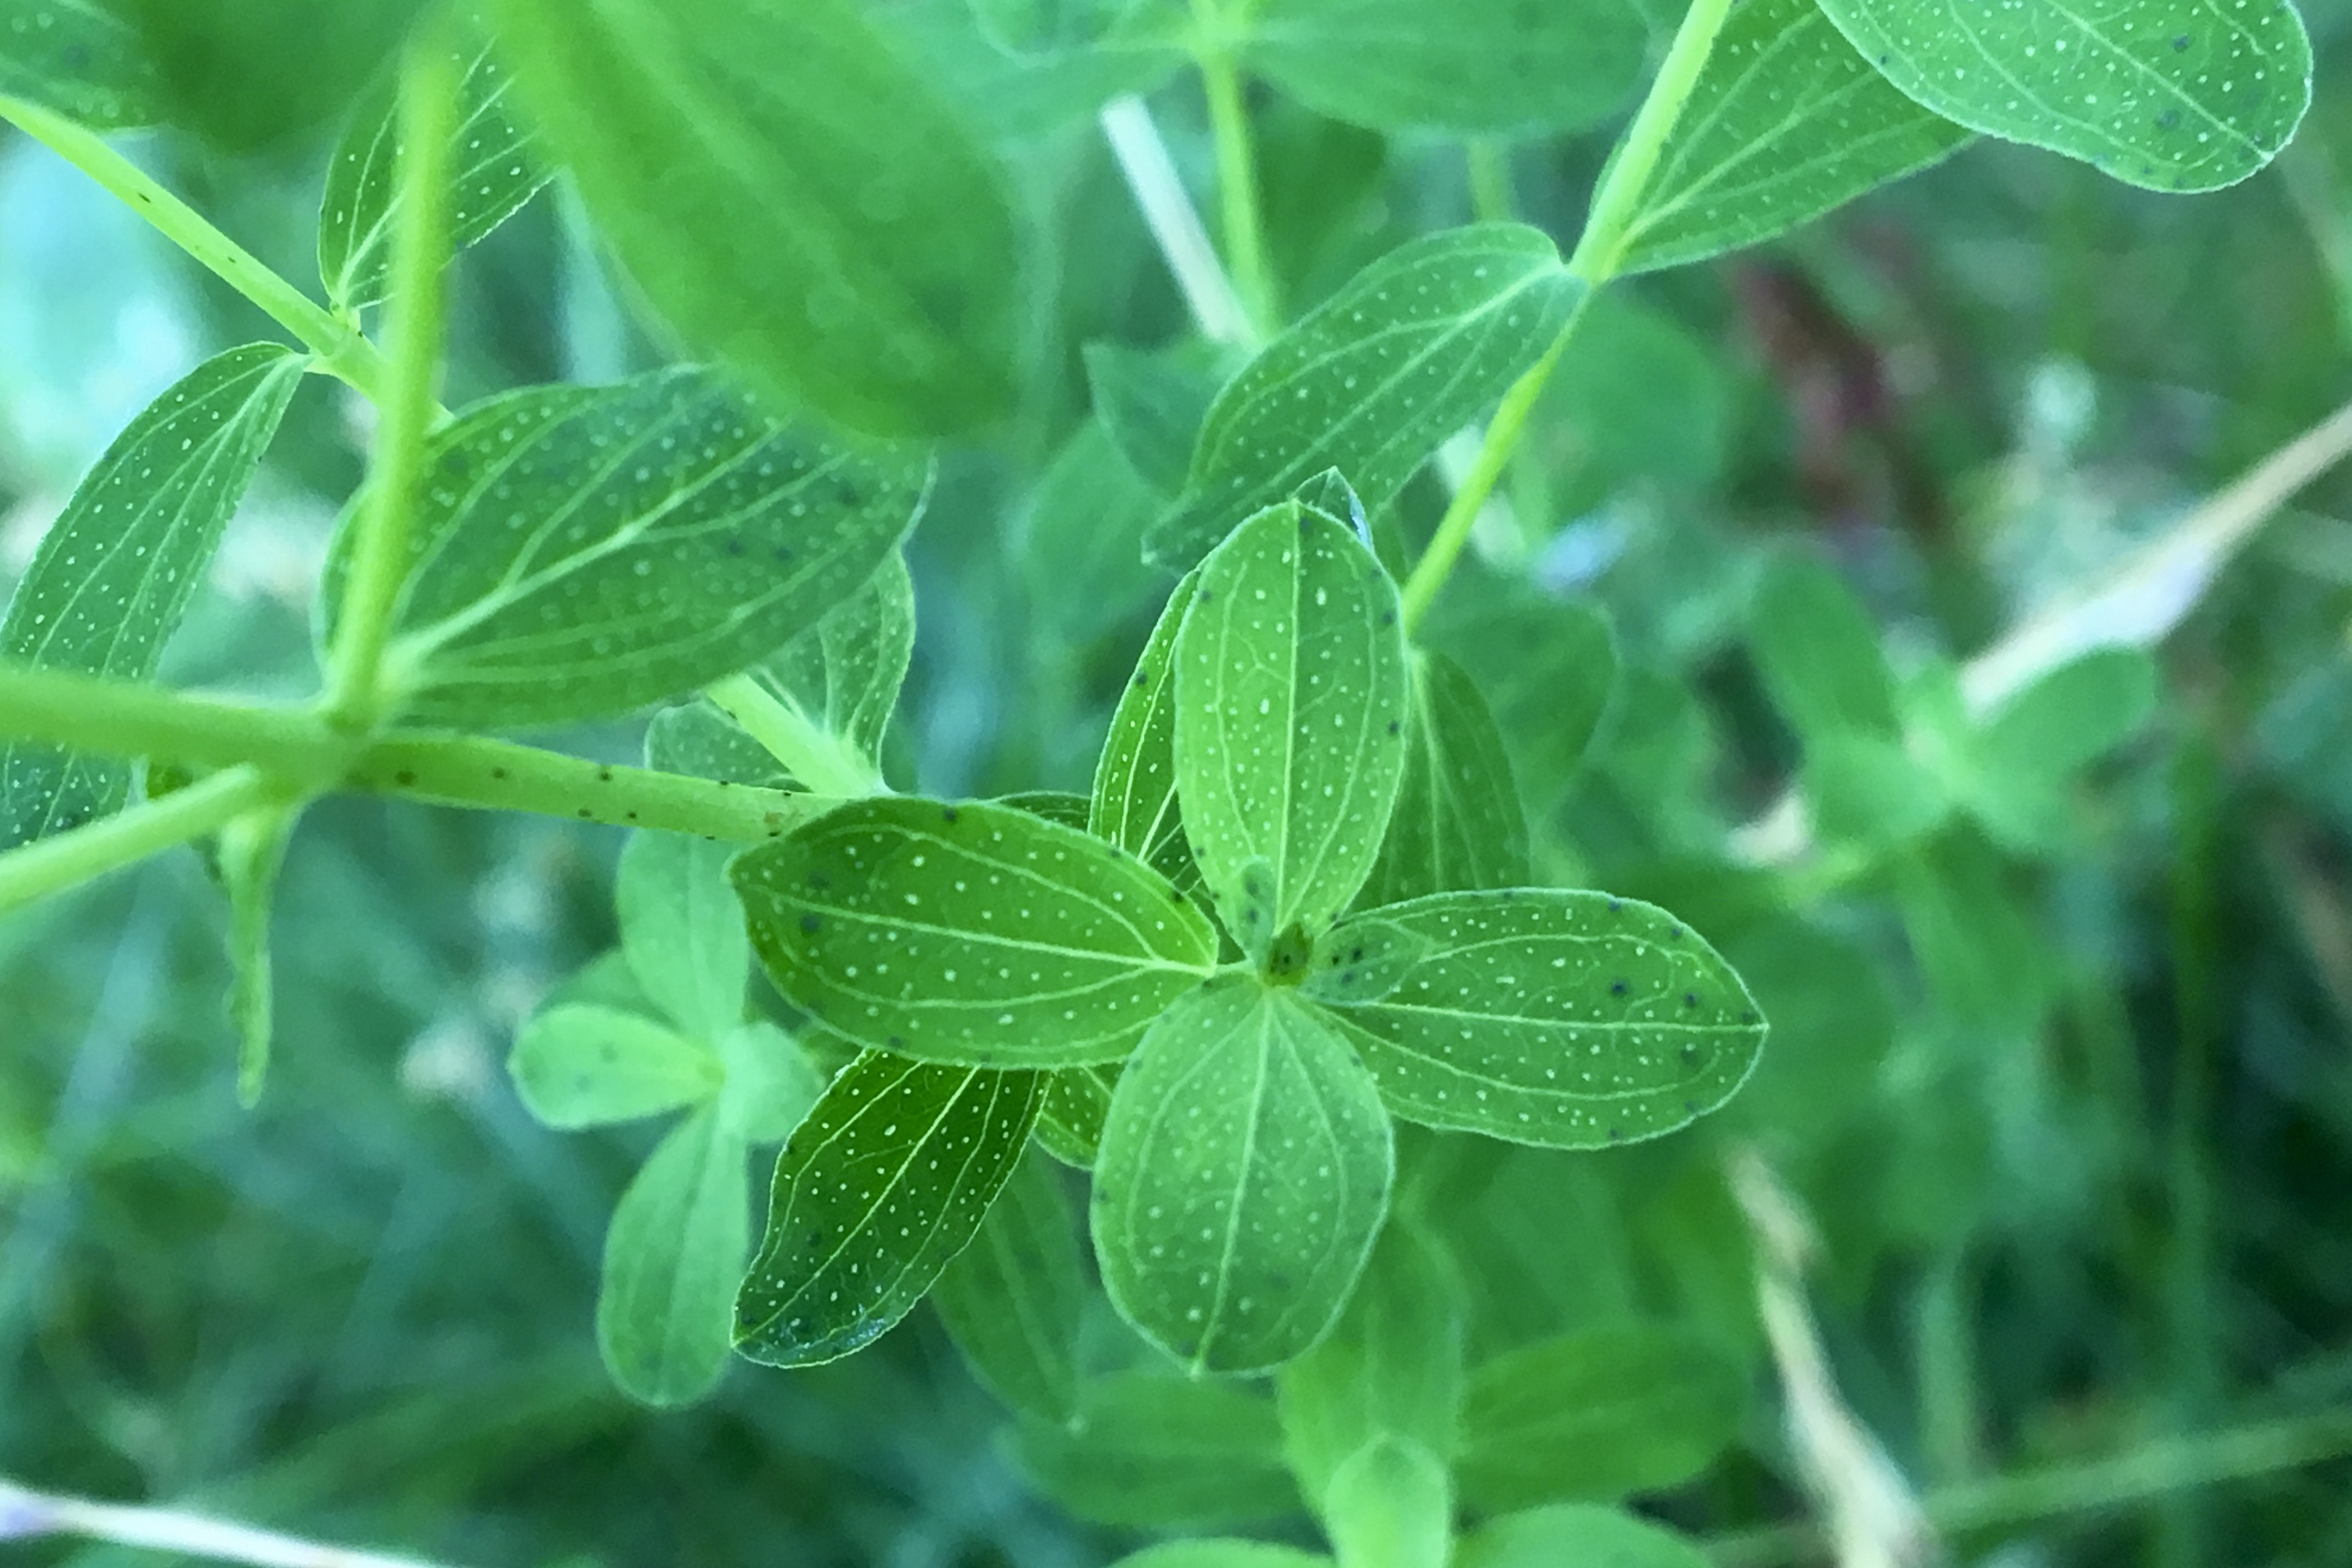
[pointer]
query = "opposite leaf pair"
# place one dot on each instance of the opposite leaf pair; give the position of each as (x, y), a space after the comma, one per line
(984, 957)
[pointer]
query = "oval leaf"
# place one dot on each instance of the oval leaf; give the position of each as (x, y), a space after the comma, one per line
(1374, 380)
(973, 933)
(875, 1194)
(671, 1259)
(582, 1064)
(1013, 1301)
(683, 931)
(1290, 707)
(1151, 1451)
(1134, 804)
(1457, 826)
(1391, 1502)
(852, 242)
(1467, 67)
(494, 170)
(1569, 1019)
(580, 553)
(1577, 1537)
(115, 572)
(2175, 95)
(1786, 122)
(1244, 1176)
(772, 1084)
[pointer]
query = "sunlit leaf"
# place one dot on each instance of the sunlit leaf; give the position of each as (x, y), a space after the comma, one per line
(1290, 705)
(972, 933)
(2175, 95)
(1374, 380)
(1469, 67)
(1013, 1300)
(1594, 1416)
(1244, 1176)
(1152, 1451)
(1570, 1020)
(580, 1064)
(494, 170)
(1788, 121)
(1070, 1122)
(683, 931)
(1457, 826)
(1134, 804)
(1577, 1536)
(1391, 1502)
(844, 673)
(583, 552)
(854, 247)
(113, 575)
(83, 58)
(875, 1194)
(671, 1259)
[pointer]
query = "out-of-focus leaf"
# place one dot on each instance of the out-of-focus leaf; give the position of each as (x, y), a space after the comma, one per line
(2173, 95)
(579, 1064)
(1572, 1536)
(1546, 667)
(1467, 67)
(1788, 121)
(772, 1086)
(1214, 1553)
(1867, 790)
(854, 244)
(251, 850)
(1374, 380)
(1150, 1450)
(1818, 650)
(671, 1261)
(584, 551)
(683, 931)
(1081, 542)
(875, 1192)
(253, 75)
(1594, 1414)
(1243, 1177)
(1569, 1019)
(1013, 1301)
(1391, 1502)
(1290, 696)
(1152, 406)
(1019, 95)
(972, 933)
(83, 58)
(113, 575)
(494, 170)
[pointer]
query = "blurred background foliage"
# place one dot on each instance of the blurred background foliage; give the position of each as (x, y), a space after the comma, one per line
(2075, 1126)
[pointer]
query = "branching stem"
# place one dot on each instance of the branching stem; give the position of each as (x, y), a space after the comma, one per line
(53, 864)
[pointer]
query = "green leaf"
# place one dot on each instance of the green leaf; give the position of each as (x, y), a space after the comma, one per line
(1013, 1301)
(696, 738)
(1391, 1505)
(1457, 826)
(252, 849)
(875, 1194)
(671, 1259)
(1461, 67)
(1547, 666)
(1374, 379)
(1363, 960)
(1577, 1537)
(1866, 790)
(1134, 803)
(1569, 1019)
(1974, 936)
(1290, 706)
(1151, 1451)
(1393, 1366)
(1210, 1553)
(1786, 122)
(1244, 1176)
(2070, 716)
(581, 1064)
(854, 244)
(81, 59)
(772, 1086)
(1070, 1122)
(1081, 541)
(1018, 95)
(1152, 406)
(1817, 651)
(972, 933)
(585, 551)
(2173, 95)
(1594, 1414)
(844, 673)
(113, 575)
(494, 170)
(683, 931)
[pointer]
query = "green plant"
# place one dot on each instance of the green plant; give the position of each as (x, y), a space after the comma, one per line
(1297, 940)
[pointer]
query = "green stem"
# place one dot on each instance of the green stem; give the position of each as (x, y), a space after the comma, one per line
(810, 754)
(2174, 1464)
(1238, 212)
(119, 719)
(1491, 199)
(1599, 251)
(341, 348)
(420, 259)
(51, 865)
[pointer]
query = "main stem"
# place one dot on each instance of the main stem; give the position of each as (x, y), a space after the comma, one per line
(341, 348)
(1598, 252)
(420, 260)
